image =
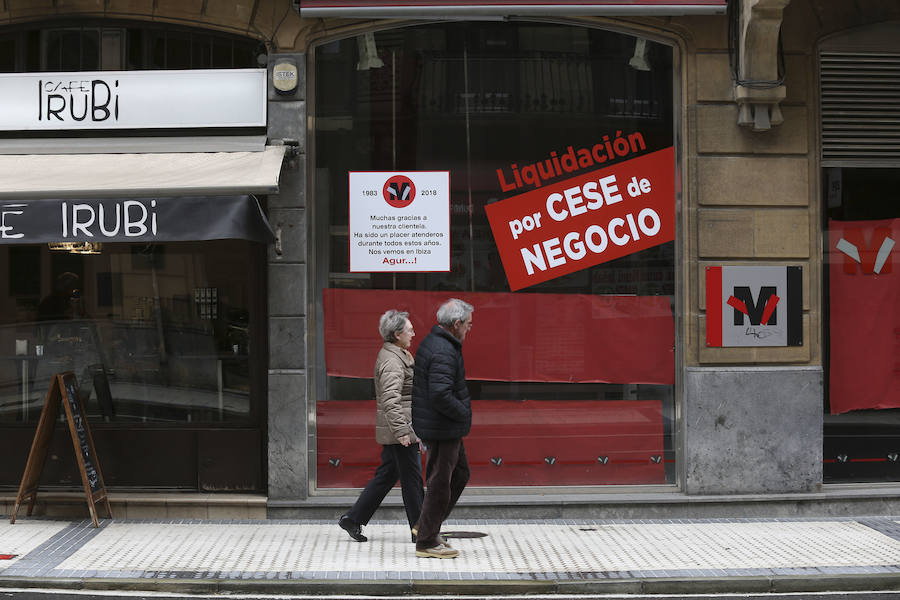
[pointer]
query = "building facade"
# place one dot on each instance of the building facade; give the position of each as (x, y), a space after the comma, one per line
(676, 222)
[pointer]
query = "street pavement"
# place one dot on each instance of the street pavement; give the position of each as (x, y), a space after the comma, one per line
(553, 556)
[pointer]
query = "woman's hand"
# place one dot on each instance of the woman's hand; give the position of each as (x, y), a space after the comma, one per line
(404, 439)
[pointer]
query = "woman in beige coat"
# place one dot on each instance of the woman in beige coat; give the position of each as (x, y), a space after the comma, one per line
(393, 429)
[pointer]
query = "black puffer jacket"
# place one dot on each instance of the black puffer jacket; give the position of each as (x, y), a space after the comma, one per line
(441, 405)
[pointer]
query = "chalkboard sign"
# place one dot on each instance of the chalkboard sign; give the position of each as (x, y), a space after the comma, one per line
(63, 387)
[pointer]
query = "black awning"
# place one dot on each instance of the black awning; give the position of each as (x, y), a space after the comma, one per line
(143, 220)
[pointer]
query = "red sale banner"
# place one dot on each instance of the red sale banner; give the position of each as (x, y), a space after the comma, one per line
(590, 219)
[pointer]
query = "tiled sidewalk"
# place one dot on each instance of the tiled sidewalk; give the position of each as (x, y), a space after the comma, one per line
(728, 554)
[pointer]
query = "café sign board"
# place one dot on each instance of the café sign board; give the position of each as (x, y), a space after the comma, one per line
(197, 98)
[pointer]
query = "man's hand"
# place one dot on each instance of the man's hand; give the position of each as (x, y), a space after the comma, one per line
(404, 439)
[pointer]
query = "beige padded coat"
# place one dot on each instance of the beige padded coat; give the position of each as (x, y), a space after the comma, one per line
(393, 394)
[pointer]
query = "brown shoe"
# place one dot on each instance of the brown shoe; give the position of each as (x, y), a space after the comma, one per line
(439, 551)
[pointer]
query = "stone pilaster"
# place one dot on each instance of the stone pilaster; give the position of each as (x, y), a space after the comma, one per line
(287, 282)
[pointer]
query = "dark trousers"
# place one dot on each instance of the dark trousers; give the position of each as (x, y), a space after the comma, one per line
(446, 475)
(397, 462)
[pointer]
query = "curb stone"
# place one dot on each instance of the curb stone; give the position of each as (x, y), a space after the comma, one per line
(837, 583)
(369, 587)
(710, 585)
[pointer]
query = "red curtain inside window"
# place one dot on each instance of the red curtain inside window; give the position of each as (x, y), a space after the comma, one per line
(864, 322)
(573, 338)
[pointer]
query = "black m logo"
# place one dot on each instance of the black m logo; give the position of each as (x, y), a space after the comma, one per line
(756, 309)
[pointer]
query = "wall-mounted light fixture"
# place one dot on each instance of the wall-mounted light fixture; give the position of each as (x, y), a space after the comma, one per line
(638, 61)
(368, 53)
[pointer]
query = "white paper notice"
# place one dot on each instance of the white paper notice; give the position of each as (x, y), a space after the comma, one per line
(399, 221)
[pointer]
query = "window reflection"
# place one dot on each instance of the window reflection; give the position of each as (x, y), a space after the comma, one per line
(92, 47)
(154, 334)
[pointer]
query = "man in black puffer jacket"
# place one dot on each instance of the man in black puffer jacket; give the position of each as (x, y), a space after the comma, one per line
(442, 416)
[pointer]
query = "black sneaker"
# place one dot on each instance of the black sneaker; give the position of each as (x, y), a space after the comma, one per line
(352, 528)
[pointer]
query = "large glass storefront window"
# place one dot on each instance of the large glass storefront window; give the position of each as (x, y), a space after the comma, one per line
(161, 338)
(862, 274)
(572, 379)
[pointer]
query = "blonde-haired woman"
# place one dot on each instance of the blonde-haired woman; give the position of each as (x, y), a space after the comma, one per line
(393, 429)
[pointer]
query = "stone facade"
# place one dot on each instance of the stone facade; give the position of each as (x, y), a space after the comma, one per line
(751, 418)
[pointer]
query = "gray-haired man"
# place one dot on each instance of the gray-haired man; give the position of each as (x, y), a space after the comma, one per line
(442, 416)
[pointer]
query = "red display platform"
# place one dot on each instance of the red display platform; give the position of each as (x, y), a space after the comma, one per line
(515, 443)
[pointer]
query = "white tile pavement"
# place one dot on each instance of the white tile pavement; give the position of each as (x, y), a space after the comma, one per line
(23, 537)
(511, 549)
(514, 548)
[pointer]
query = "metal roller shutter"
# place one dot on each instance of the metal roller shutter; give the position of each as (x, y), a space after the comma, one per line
(860, 112)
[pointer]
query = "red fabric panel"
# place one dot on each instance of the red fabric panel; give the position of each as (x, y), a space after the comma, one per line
(629, 434)
(865, 315)
(573, 338)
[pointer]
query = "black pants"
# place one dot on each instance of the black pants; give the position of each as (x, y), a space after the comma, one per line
(397, 462)
(446, 474)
